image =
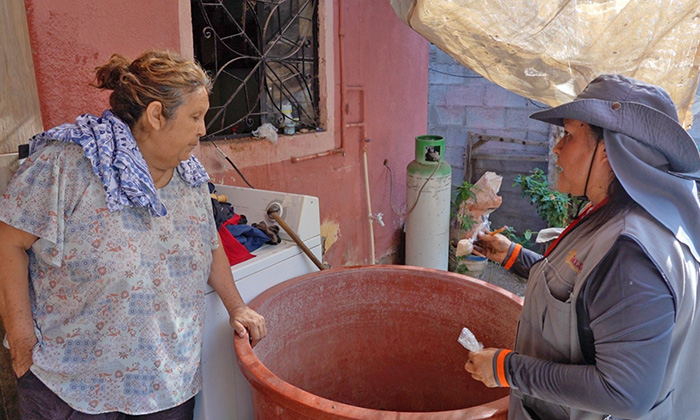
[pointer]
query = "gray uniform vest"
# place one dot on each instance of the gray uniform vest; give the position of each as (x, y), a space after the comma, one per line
(547, 328)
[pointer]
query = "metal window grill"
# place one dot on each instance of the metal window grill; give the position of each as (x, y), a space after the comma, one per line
(262, 54)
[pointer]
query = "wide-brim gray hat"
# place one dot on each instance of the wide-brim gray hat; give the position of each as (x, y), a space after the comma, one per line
(649, 152)
(634, 108)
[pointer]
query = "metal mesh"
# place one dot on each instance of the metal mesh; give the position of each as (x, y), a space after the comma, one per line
(261, 54)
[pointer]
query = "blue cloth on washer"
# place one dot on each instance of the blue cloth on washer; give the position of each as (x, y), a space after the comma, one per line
(251, 238)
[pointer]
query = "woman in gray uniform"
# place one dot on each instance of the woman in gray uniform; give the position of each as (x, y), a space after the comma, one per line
(610, 326)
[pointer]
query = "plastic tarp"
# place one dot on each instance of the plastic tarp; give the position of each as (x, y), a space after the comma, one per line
(548, 50)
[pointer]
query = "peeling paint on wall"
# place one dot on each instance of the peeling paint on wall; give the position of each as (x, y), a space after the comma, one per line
(352, 255)
(330, 231)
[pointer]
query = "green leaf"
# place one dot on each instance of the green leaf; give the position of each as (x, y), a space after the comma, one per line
(552, 206)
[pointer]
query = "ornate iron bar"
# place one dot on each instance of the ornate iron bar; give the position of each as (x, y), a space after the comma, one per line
(262, 54)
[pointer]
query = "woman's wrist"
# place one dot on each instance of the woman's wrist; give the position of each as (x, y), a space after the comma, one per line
(500, 367)
(511, 255)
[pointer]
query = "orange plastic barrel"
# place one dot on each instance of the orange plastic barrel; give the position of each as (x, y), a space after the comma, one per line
(376, 342)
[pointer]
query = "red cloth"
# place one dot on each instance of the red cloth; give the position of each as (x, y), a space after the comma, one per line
(235, 252)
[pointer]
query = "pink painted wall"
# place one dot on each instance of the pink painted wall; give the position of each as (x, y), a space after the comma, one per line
(382, 55)
(71, 37)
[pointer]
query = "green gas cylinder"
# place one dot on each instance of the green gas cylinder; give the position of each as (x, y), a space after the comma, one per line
(428, 191)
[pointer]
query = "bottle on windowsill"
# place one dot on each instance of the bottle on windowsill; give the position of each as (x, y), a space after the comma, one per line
(289, 126)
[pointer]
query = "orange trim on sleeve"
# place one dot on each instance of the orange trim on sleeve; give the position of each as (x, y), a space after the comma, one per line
(501, 367)
(513, 256)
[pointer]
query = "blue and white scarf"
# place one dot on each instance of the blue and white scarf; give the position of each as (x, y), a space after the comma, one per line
(110, 147)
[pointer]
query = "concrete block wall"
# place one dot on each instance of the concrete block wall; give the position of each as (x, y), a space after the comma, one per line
(460, 100)
(695, 128)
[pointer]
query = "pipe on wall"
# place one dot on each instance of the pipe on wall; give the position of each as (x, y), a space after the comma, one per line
(344, 125)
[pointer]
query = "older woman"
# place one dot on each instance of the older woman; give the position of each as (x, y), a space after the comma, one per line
(108, 243)
(609, 327)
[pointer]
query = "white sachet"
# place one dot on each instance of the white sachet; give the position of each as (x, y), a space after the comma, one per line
(464, 247)
(469, 341)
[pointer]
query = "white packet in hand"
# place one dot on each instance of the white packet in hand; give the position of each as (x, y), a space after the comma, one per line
(469, 341)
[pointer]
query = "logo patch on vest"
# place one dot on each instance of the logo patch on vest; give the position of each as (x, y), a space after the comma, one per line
(573, 262)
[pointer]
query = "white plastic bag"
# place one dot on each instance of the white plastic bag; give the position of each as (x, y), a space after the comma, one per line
(266, 131)
(477, 208)
(469, 341)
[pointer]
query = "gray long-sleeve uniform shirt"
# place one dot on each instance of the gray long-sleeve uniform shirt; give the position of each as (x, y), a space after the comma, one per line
(626, 317)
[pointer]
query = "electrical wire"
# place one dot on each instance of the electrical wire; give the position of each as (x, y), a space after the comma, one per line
(480, 77)
(221, 152)
(456, 75)
(391, 189)
(421, 189)
(537, 106)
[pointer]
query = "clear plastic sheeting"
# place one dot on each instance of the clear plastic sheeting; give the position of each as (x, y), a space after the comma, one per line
(548, 50)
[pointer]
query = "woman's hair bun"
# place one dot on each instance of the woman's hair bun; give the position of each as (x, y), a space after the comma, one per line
(109, 75)
(155, 75)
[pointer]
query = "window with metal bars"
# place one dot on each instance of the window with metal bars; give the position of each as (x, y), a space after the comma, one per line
(263, 58)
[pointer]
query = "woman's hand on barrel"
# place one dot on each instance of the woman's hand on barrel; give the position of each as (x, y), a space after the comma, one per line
(493, 247)
(246, 321)
(480, 365)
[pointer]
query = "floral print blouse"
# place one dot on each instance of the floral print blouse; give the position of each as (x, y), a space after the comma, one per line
(117, 297)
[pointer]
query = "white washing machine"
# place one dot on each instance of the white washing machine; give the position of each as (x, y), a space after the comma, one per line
(225, 392)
